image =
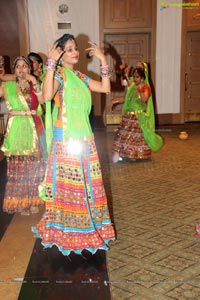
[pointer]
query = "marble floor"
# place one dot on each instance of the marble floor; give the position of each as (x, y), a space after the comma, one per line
(154, 206)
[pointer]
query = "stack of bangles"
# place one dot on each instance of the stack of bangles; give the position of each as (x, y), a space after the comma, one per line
(106, 72)
(37, 89)
(51, 64)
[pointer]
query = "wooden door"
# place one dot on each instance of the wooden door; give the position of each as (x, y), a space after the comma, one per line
(14, 36)
(128, 13)
(127, 49)
(192, 77)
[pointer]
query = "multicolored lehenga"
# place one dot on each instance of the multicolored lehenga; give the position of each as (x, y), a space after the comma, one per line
(76, 215)
(136, 137)
(25, 148)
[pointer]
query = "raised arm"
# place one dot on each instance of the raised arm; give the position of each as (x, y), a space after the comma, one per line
(102, 86)
(50, 85)
(118, 100)
(36, 87)
(7, 77)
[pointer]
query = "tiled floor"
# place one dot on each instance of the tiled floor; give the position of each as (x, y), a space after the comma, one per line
(155, 207)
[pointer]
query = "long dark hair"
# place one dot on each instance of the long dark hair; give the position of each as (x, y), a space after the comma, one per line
(63, 39)
(140, 72)
(36, 56)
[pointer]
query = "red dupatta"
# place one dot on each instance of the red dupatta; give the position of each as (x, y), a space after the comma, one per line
(34, 106)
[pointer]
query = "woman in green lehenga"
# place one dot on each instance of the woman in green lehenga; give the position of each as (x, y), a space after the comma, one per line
(24, 143)
(136, 137)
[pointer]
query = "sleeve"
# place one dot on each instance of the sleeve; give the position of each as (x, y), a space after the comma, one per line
(146, 88)
(84, 78)
(59, 75)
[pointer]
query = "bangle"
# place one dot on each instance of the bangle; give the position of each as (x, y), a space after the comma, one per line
(51, 64)
(106, 72)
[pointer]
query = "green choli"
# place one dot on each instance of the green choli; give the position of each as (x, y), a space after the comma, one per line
(21, 136)
(76, 108)
(132, 101)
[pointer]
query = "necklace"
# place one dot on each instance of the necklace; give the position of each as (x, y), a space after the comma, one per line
(24, 87)
(23, 84)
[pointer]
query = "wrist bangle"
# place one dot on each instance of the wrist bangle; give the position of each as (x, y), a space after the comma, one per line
(105, 71)
(51, 64)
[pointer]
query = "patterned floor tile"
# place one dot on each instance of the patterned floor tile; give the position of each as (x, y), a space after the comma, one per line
(185, 292)
(116, 264)
(175, 263)
(157, 222)
(138, 251)
(193, 249)
(119, 294)
(185, 229)
(165, 239)
(156, 207)
(146, 278)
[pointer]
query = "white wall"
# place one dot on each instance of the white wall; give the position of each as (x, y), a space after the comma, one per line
(84, 18)
(44, 16)
(168, 55)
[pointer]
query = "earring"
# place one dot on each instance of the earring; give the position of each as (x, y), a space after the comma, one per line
(61, 63)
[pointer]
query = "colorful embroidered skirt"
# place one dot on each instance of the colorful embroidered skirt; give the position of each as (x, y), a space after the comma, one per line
(76, 215)
(24, 173)
(129, 141)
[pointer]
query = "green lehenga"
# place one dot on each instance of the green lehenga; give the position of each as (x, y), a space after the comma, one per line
(136, 136)
(25, 148)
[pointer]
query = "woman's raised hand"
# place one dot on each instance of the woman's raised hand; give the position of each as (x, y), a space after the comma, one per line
(55, 52)
(94, 50)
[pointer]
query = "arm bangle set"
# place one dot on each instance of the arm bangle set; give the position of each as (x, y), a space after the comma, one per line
(105, 71)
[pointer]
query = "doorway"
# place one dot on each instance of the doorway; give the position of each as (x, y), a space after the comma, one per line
(123, 49)
(192, 77)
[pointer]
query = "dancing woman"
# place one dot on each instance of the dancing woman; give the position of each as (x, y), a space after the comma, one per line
(76, 215)
(136, 137)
